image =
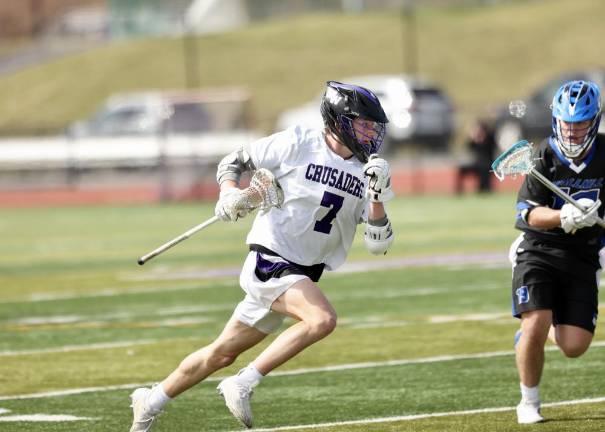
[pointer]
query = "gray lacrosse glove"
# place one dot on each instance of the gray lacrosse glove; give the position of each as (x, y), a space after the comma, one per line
(229, 206)
(379, 182)
(573, 219)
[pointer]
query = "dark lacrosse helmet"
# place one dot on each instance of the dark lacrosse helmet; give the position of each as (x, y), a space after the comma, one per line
(343, 103)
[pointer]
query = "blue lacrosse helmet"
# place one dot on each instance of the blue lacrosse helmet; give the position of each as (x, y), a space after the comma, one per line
(343, 103)
(576, 101)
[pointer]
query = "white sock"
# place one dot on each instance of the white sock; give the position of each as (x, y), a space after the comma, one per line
(157, 398)
(530, 395)
(250, 375)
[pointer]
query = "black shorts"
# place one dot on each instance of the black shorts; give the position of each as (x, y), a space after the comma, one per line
(549, 277)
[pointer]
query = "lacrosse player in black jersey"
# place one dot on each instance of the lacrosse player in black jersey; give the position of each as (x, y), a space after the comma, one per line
(555, 260)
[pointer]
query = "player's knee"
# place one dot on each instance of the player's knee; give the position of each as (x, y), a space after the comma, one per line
(572, 349)
(322, 325)
(219, 359)
(535, 327)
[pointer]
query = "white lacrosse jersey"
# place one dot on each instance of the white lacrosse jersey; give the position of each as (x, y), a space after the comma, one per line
(324, 198)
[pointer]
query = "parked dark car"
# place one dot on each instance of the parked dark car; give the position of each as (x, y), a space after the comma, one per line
(535, 124)
(419, 111)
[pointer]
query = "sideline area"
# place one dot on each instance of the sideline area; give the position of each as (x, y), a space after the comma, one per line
(410, 176)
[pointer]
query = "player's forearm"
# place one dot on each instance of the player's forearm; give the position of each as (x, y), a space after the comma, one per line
(228, 184)
(376, 211)
(544, 218)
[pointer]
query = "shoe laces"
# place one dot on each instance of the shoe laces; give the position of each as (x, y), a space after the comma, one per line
(244, 391)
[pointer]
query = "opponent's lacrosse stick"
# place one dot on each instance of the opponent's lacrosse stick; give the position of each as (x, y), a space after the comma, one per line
(263, 193)
(518, 160)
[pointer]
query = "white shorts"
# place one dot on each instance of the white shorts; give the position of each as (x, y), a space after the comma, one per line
(264, 278)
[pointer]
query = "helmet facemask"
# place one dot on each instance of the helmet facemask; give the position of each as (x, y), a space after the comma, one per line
(358, 140)
(567, 142)
(576, 112)
(341, 105)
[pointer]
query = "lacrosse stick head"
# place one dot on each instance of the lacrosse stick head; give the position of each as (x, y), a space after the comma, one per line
(264, 191)
(515, 160)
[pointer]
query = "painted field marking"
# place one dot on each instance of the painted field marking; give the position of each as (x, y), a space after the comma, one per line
(93, 346)
(449, 260)
(69, 348)
(55, 418)
(489, 259)
(38, 417)
(371, 322)
(421, 416)
(301, 371)
(121, 315)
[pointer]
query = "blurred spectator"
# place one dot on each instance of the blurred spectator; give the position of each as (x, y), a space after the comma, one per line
(481, 145)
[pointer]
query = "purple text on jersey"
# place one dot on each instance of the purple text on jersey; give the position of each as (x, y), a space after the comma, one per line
(336, 178)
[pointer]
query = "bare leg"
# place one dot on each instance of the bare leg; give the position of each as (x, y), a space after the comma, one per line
(305, 302)
(573, 341)
(234, 340)
(530, 349)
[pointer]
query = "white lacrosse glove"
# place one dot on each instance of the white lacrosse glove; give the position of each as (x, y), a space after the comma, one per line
(573, 219)
(228, 207)
(379, 183)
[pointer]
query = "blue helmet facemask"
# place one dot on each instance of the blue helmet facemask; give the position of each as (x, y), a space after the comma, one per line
(574, 102)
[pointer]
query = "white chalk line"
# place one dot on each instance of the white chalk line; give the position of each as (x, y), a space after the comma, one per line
(39, 417)
(456, 259)
(421, 416)
(46, 418)
(370, 322)
(70, 348)
(94, 346)
(301, 371)
(116, 316)
(349, 323)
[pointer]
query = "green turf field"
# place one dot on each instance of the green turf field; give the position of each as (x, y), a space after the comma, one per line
(424, 342)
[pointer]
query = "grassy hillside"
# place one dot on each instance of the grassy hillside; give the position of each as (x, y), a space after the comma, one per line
(482, 55)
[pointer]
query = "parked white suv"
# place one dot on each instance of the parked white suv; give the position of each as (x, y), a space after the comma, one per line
(419, 112)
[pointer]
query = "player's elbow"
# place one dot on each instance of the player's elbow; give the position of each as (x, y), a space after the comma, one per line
(378, 237)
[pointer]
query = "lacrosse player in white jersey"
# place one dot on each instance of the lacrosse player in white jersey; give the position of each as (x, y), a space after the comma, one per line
(332, 180)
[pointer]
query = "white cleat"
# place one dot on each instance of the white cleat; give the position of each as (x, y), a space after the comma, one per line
(143, 417)
(237, 399)
(529, 413)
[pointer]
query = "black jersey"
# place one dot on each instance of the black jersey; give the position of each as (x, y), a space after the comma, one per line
(585, 180)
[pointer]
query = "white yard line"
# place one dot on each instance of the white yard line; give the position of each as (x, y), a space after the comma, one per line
(42, 297)
(372, 322)
(69, 348)
(301, 371)
(421, 416)
(122, 315)
(53, 418)
(77, 391)
(456, 260)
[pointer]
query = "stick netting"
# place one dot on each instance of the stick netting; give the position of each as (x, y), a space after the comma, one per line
(516, 160)
(263, 193)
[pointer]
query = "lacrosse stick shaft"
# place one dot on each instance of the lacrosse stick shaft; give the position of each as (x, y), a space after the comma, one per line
(561, 193)
(177, 240)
